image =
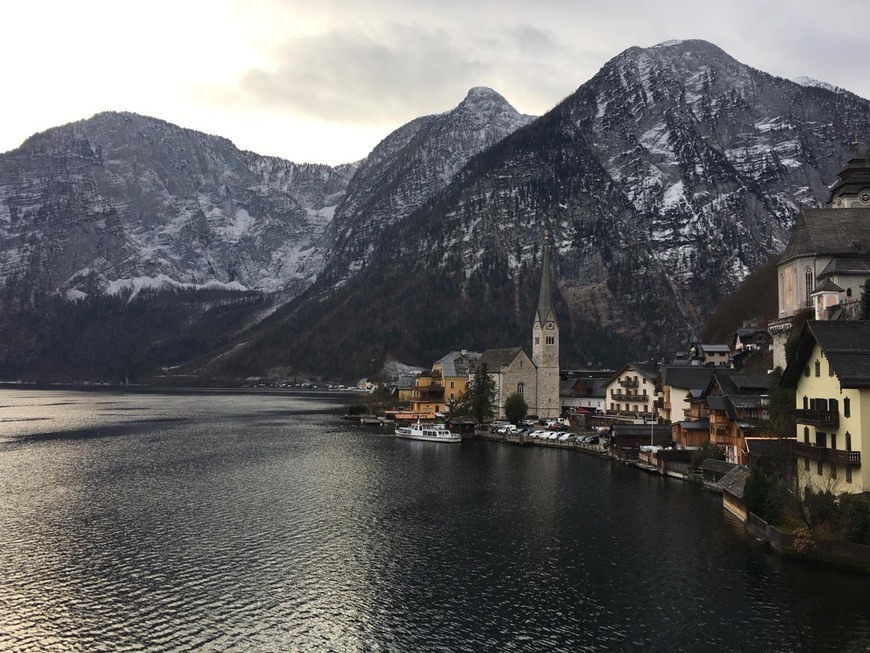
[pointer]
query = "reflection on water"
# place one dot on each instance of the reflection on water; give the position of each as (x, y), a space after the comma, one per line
(252, 523)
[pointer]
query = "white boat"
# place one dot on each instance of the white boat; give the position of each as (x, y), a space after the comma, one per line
(427, 432)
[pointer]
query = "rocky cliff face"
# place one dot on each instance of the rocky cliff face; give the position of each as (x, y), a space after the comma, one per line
(121, 201)
(412, 165)
(662, 181)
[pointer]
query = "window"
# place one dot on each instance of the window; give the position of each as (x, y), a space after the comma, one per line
(520, 389)
(551, 340)
(848, 441)
(806, 464)
(808, 280)
(833, 470)
(806, 403)
(818, 368)
(848, 292)
(453, 384)
(821, 439)
(833, 440)
(807, 434)
(819, 467)
(452, 396)
(537, 340)
(848, 474)
(807, 370)
(847, 407)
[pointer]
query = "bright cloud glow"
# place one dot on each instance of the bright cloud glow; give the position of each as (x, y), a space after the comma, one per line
(325, 81)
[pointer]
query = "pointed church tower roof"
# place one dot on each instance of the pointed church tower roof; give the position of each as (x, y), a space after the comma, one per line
(545, 304)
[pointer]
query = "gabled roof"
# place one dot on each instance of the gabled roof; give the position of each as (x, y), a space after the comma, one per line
(713, 465)
(832, 232)
(649, 371)
(458, 363)
(495, 359)
(713, 348)
(845, 344)
(688, 377)
(734, 481)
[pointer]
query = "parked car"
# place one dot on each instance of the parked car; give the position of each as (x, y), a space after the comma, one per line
(565, 436)
(540, 433)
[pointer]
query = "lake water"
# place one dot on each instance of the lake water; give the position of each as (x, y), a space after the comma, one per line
(209, 522)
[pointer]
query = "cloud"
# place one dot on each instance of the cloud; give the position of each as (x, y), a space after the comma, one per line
(353, 76)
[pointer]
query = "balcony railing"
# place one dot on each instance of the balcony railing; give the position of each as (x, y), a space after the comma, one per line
(837, 456)
(820, 418)
(628, 383)
(619, 396)
(428, 393)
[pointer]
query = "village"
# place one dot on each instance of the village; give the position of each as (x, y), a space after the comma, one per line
(801, 424)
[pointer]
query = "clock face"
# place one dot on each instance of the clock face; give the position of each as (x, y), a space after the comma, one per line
(864, 197)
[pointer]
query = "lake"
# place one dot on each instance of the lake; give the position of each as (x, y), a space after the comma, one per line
(263, 522)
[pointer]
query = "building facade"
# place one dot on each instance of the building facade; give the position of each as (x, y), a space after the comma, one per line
(830, 374)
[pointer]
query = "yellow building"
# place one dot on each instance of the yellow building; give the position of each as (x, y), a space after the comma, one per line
(433, 391)
(830, 373)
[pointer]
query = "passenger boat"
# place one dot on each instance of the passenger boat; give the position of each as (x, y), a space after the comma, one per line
(427, 432)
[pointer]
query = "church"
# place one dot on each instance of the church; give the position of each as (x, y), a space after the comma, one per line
(827, 260)
(536, 379)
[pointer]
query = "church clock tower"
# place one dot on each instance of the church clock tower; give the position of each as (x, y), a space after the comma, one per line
(545, 346)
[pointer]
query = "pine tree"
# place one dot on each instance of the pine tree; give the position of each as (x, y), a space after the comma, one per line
(865, 301)
(479, 399)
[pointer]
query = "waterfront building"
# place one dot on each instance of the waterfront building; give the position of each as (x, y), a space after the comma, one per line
(631, 393)
(512, 371)
(830, 373)
(827, 260)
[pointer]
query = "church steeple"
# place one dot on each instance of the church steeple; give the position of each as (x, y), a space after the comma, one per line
(545, 345)
(545, 306)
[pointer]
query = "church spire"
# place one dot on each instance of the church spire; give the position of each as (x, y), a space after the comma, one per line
(545, 305)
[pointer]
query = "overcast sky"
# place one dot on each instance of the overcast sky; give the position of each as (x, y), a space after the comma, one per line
(325, 80)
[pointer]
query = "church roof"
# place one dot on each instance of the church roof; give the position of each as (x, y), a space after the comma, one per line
(826, 286)
(840, 266)
(495, 359)
(545, 298)
(831, 232)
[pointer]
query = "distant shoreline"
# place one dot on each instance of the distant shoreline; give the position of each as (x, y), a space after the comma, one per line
(175, 390)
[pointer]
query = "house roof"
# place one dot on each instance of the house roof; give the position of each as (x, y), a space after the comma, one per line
(713, 465)
(458, 363)
(688, 377)
(734, 481)
(695, 425)
(770, 447)
(714, 348)
(406, 381)
(649, 371)
(821, 231)
(846, 345)
(495, 359)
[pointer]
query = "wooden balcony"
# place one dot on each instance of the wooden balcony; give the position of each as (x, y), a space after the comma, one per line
(628, 383)
(428, 393)
(619, 396)
(836, 456)
(818, 418)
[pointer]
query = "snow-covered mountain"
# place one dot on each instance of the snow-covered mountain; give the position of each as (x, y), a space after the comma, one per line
(409, 167)
(124, 202)
(663, 181)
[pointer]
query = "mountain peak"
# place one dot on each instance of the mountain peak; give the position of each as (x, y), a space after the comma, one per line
(483, 93)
